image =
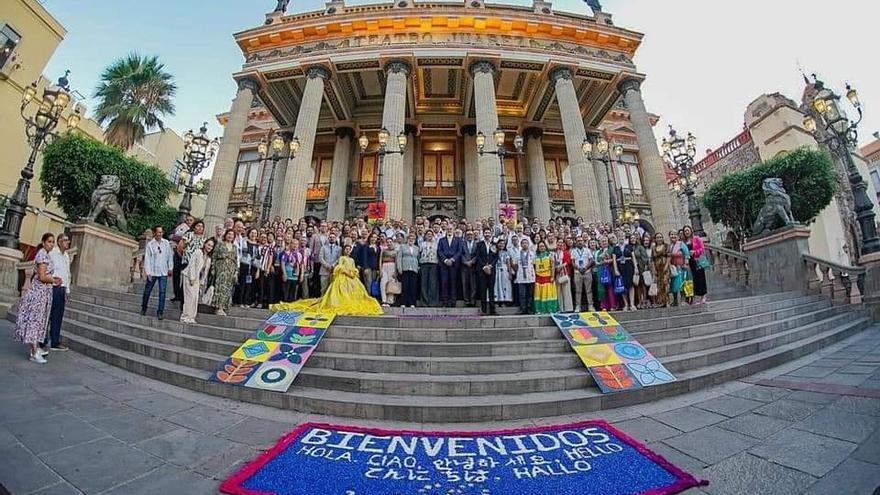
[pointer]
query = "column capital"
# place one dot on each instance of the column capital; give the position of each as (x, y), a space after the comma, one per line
(318, 71)
(533, 133)
(561, 72)
(469, 130)
(410, 129)
(482, 66)
(248, 82)
(344, 132)
(398, 65)
(628, 84)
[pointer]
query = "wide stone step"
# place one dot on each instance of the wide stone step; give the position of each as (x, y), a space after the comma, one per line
(166, 345)
(699, 337)
(465, 408)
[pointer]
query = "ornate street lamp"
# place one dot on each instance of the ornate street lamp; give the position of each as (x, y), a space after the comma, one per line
(501, 151)
(382, 138)
(835, 130)
(277, 143)
(39, 129)
(680, 154)
(198, 152)
(606, 157)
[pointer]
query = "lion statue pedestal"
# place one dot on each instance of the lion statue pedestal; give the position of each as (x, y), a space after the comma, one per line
(103, 258)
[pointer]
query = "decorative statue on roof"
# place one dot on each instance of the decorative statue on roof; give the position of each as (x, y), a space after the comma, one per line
(594, 5)
(776, 211)
(282, 6)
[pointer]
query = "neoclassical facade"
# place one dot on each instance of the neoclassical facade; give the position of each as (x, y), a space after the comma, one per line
(440, 74)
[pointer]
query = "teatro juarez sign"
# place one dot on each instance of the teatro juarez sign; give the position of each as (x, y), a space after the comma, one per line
(445, 40)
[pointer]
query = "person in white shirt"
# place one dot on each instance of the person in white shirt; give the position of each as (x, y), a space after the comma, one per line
(158, 265)
(61, 263)
(582, 261)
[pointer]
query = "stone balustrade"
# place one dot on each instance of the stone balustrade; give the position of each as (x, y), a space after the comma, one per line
(843, 284)
(729, 263)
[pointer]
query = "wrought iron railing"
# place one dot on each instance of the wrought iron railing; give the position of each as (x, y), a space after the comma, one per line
(630, 196)
(440, 189)
(243, 196)
(722, 151)
(560, 191)
(517, 189)
(318, 190)
(361, 189)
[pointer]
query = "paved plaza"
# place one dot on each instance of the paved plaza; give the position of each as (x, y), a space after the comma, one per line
(78, 425)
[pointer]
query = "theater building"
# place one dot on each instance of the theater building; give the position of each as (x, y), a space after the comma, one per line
(439, 74)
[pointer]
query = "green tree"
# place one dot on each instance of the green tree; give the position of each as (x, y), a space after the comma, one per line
(73, 165)
(165, 216)
(203, 185)
(808, 176)
(134, 94)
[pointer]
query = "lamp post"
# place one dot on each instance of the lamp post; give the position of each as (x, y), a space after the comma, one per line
(39, 129)
(501, 151)
(834, 129)
(277, 147)
(680, 153)
(602, 147)
(382, 137)
(199, 150)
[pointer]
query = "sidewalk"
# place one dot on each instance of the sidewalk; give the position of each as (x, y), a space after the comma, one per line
(77, 425)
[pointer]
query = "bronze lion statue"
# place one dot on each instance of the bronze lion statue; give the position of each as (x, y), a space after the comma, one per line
(776, 211)
(106, 209)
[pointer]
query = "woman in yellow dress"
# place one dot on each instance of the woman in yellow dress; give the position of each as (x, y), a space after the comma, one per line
(345, 295)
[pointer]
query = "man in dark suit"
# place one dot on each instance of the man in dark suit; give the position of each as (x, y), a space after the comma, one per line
(468, 269)
(449, 251)
(485, 258)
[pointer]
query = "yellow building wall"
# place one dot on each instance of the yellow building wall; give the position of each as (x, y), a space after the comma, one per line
(40, 36)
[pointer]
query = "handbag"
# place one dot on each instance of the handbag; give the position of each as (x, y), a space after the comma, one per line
(703, 262)
(636, 279)
(393, 287)
(562, 279)
(604, 275)
(374, 289)
(619, 287)
(688, 288)
(653, 290)
(673, 271)
(648, 278)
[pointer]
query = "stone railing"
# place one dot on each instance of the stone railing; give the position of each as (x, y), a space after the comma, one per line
(26, 270)
(843, 284)
(730, 263)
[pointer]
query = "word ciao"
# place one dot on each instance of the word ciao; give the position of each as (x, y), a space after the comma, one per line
(504, 445)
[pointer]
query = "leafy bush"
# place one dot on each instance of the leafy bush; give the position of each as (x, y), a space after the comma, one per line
(165, 216)
(72, 168)
(808, 176)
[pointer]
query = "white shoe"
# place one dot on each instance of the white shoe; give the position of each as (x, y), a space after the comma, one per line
(577, 309)
(220, 312)
(42, 352)
(38, 358)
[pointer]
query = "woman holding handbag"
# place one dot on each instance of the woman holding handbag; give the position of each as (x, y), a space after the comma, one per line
(642, 254)
(408, 268)
(606, 270)
(631, 277)
(193, 276)
(503, 274)
(563, 278)
(679, 255)
(699, 261)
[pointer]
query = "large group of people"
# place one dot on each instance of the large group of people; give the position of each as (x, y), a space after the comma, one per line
(562, 265)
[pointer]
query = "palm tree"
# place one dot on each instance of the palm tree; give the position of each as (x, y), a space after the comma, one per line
(134, 94)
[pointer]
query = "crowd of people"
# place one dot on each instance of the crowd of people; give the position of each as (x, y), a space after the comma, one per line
(557, 266)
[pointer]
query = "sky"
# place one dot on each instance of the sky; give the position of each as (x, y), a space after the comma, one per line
(705, 60)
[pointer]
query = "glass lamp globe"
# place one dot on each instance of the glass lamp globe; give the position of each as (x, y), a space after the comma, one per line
(401, 141)
(277, 143)
(294, 146)
(498, 136)
(383, 137)
(480, 140)
(586, 147)
(363, 142)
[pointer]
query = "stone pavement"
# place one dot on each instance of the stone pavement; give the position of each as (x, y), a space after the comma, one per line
(77, 426)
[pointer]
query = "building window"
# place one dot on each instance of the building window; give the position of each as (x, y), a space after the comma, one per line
(367, 172)
(558, 173)
(9, 39)
(322, 165)
(875, 179)
(248, 172)
(174, 173)
(628, 176)
(438, 169)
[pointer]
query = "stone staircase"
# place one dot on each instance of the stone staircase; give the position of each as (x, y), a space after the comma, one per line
(452, 366)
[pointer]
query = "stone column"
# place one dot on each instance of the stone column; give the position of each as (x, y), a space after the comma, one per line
(223, 177)
(538, 189)
(471, 162)
(393, 116)
(299, 173)
(601, 173)
(583, 179)
(489, 167)
(653, 177)
(278, 184)
(339, 174)
(409, 173)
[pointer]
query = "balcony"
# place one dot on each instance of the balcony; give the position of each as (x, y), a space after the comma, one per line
(560, 191)
(436, 189)
(318, 190)
(362, 189)
(518, 189)
(630, 196)
(243, 196)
